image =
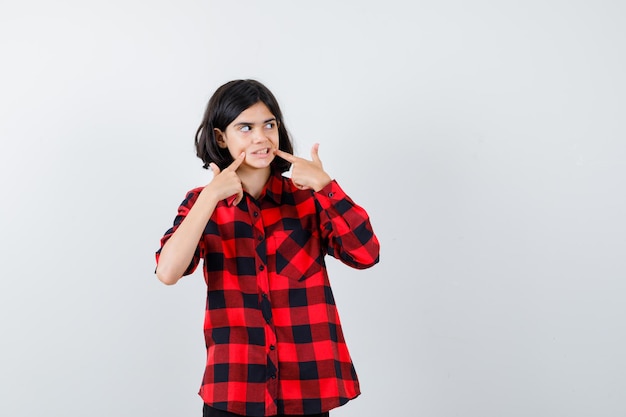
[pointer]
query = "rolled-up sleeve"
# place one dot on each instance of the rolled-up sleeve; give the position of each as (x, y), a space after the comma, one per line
(183, 210)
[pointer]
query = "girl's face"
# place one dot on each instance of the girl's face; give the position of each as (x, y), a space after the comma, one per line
(255, 132)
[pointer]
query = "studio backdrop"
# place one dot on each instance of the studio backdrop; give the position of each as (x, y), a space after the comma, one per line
(486, 139)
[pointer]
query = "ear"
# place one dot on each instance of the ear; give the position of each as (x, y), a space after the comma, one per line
(219, 138)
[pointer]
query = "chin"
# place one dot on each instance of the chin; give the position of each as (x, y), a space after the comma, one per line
(260, 166)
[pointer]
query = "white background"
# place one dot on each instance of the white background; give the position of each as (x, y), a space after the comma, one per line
(486, 139)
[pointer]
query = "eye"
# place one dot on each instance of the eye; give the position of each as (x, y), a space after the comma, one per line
(270, 125)
(245, 128)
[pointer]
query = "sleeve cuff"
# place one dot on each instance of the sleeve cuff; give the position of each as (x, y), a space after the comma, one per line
(330, 195)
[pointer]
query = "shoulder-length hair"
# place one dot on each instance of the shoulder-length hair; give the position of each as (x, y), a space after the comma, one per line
(225, 105)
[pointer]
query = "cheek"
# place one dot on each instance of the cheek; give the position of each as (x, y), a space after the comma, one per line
(236, 147)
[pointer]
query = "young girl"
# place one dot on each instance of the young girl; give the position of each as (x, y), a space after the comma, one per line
(273, 337)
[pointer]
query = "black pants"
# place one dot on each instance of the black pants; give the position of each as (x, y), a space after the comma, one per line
(214, 412)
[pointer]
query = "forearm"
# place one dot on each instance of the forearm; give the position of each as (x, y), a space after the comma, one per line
(346, 228)
(178, 251)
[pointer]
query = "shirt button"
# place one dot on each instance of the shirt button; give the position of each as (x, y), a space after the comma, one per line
(264, 295)
(255, 214)
(260, 238)
(273, 376)
(261, 268)
(272, 347)
(331, 194)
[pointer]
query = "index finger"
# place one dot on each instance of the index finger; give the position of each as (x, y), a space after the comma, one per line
(235, 164)
(286, 156)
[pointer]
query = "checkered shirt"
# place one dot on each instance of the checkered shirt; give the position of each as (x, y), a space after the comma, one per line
(273, 336)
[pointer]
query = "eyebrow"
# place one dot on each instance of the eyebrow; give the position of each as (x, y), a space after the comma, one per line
(273, 119)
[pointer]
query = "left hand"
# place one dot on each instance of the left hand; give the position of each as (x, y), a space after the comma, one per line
(305, 174)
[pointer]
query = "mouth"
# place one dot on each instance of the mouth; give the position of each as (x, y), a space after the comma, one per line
(263, 151)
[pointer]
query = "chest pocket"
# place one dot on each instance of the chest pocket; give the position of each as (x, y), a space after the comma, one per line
(298, 253)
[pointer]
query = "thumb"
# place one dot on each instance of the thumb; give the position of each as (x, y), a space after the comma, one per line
(214, 168)
(315, 153)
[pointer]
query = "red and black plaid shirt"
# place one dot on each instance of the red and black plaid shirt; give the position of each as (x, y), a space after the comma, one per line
(273, 336)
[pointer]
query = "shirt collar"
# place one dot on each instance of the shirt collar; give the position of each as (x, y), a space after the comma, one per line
(273, 188)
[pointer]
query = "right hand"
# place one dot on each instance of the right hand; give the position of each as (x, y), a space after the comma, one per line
(227, 183)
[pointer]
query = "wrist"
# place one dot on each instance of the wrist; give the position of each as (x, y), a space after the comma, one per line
(208, 196)
(322, 182)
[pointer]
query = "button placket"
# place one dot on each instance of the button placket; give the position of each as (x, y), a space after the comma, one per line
(265, 304)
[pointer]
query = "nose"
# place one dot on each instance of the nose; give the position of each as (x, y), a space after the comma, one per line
(259, 135)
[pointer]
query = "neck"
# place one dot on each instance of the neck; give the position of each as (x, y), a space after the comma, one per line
(253, 181)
